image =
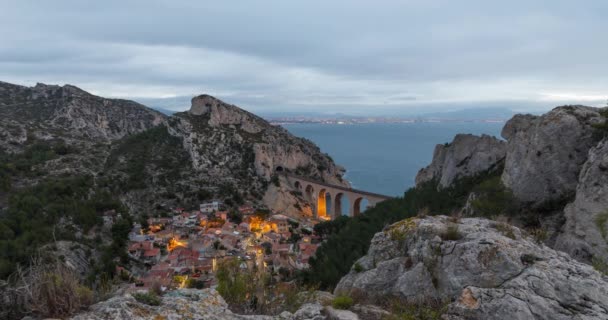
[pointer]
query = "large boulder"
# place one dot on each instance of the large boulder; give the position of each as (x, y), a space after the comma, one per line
(584, 235)
(546, 153)
(489, 270)
(466, 156)
(204, 304)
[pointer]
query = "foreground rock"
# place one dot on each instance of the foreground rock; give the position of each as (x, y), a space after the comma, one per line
(584, 235)
(204, 304)
(487, 270)
(467, 155)
(546, 153)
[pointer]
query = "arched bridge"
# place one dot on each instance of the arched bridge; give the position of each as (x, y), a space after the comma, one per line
(327, 199)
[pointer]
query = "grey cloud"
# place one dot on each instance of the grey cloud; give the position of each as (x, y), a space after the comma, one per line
(287, 53)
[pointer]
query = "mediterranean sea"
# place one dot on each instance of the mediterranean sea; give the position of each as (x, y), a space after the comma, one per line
(385, 157)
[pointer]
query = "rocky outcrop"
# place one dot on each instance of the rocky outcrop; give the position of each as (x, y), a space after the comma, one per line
(230, 146)
(284, 199)
(490, 270)
(215, 150)
(467, 155)
(204, 304)
(49, 112)
(585, 233)
(546, 153)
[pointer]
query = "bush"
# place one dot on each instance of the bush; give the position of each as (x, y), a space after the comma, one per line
(149, 298)
(492, 198)
(342, 302)
(600, 222)
(358, 268)
(600, 265)
(46, 290)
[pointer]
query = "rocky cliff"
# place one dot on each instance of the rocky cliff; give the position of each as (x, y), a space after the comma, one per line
(49, 112)
(153, 162)
(481, 268)
(554, 169)
(546, 153)
(584, 235)
(467, 155)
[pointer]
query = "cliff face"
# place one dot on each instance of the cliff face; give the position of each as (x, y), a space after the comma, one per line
(490, 270)
(545, 154)
(555, 168)
(467, 155)
(230, 146)
(153, 161)
(584, 234)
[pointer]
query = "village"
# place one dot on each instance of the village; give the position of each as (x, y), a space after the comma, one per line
(185, 249)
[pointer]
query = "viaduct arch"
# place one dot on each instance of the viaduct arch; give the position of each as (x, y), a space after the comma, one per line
(326, 199)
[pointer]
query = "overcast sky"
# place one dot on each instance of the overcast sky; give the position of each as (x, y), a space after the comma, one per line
(336, 56)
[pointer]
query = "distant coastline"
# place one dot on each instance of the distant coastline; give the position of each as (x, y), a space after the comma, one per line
(288, 121)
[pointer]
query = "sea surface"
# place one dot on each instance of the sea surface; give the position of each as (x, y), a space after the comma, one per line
(384, 158)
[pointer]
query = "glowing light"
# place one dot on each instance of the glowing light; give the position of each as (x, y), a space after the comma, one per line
(175, 243)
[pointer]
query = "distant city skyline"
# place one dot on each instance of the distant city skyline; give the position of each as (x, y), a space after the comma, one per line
(358, 57)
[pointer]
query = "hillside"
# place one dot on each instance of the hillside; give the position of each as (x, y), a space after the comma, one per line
(66, 156)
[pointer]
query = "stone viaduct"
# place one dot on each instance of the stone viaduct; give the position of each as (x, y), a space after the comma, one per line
(326, 199)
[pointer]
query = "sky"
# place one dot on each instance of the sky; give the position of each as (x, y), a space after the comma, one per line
(344, 56)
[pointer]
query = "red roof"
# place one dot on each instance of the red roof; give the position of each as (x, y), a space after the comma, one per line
(144, 245)
(152, 252)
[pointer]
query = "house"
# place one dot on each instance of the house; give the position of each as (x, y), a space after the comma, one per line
(222, 215)
(271, 237)
(243, 227)
(152, 255)
(163, 236)
(281, 222)
(246, 210)
(137, 249)
(209, 207)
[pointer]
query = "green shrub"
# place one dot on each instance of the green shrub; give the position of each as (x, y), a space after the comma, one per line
(405, 310)
(492, 198)
(506, 229)
(148, 298)
(600, 265)
(600, 222)
(342, 302)
(358, 268)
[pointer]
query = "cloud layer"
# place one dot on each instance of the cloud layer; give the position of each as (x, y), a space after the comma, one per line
(314, 55)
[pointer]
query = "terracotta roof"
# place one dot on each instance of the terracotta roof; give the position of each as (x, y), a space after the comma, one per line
(152, 252)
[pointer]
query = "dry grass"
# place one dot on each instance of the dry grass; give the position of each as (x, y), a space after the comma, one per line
(48, 290)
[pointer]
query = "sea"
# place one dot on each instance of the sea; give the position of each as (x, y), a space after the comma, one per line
(385, 157)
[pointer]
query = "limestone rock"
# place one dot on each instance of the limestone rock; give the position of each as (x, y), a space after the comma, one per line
(584, 234)
(467, 155)
(491, 270)
(229, 145)
(204, 304)
(336, 314)
(545, 153)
